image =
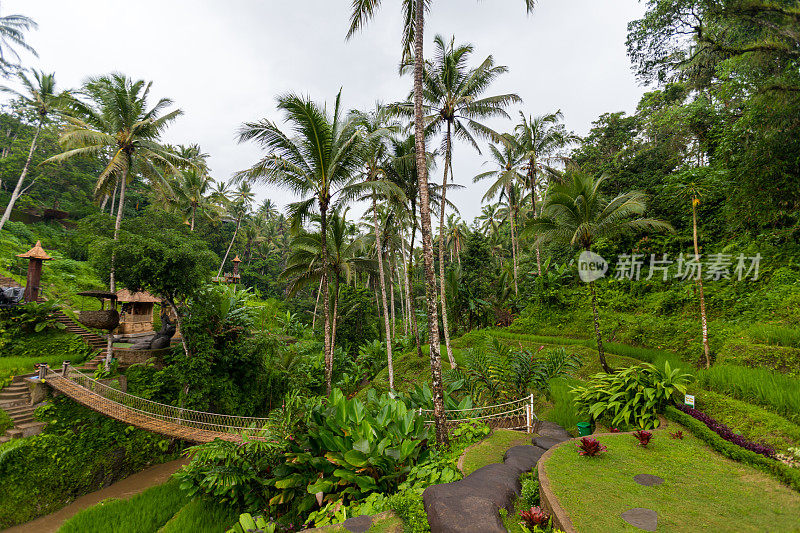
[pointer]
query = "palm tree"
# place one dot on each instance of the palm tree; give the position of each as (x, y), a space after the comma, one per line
(40, 96)
(12, 33)
(344, 255)
(116, 120)
(506, 175)
(575, 213)
(238, 208)
(317, 164)
(376, 127)
(693, 190)
(413, 33)
(453, 102)
(539, 141)
(268, 208)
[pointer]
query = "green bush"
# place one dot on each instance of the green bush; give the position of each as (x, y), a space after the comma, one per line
(408, 505)
(777, 392)
(351, 449)
(632, 397)
(530, 489)
(787, 474)
(142, 513)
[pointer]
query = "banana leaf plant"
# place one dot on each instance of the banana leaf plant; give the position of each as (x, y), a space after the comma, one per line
(351, 450)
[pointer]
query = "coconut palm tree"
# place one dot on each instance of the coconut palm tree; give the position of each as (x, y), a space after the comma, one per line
(317, 164)
(539, 141)
(693, 191)
(41, 97)
(116, 120)
(12, 33)
(506, 175)
(239, 207)
(413, 12)
(376, 126)
(454, 103)
(577, 214)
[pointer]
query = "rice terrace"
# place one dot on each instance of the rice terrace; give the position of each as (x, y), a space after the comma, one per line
(416, 266)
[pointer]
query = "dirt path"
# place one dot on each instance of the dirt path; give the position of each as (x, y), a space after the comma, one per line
(130, 486)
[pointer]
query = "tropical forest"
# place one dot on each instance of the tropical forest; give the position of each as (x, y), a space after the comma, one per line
(352, 265)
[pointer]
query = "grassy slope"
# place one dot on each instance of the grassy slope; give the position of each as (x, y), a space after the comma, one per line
(144, 513)
(199, 516)
(702, 490)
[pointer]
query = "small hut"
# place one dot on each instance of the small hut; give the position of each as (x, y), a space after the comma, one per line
(136, 317)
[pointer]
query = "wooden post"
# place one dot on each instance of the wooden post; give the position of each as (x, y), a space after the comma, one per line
(65, 369)
(528, 417)
(36, 256)
(42, 370)
(530, 405)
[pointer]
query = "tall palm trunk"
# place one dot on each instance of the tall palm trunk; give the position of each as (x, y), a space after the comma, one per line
(427, 241)
(323, 226)
(18, 188)
(442, 210)
(600, 350)
(391, 299)
(335, 317)
(379, 250)
(228, 251)
(703, 321)
(316, 305)
(194, 209)
(112, 284)
(532, 178)
(410, 296)
(513, 238)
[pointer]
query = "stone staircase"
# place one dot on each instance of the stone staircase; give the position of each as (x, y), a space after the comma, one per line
(95, 341)
(15, 400)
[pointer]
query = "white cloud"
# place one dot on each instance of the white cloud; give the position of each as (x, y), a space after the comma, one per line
(224, 62)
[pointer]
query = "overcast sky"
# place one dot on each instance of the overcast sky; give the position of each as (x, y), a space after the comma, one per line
(223, 63)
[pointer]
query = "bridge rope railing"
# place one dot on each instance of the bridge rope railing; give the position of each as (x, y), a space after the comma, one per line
(516, 414)
(122, 403)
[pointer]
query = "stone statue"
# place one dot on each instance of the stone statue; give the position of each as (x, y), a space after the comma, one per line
(161, 339)
(11, 295)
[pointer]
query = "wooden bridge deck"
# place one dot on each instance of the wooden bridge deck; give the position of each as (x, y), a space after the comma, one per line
(134, 417)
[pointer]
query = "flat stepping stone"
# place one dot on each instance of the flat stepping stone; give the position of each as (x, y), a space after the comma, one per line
(551, 429)
(358, 524)
(523, 458)
(645, 519)
(546, 442)
(648, 480)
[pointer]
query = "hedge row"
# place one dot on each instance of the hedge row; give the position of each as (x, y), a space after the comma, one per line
(787, 474)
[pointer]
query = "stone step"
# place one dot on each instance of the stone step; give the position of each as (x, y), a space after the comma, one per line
(14, 433)
(4, 403)
(27, 419)
(11, 411)
(4, 439)
(30, 428)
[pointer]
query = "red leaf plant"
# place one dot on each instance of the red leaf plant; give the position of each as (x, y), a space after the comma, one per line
(590, 446)
(535, 517)
(643, 437)
(677, 435)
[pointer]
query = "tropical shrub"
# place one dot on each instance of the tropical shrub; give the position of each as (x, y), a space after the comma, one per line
(643, 437)
(421, 397)
(631, 397)
(350, 450)
(590, 447)
(31, 317)
(494, 371)
(248, 522)
(530, 489)
(534, 517)
(677, 435)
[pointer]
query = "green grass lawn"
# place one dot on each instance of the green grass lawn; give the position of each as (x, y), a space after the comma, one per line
(492, 448)
(703, 491)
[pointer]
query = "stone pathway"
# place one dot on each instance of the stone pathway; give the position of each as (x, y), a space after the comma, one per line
(473, 503)
(642, 518)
